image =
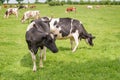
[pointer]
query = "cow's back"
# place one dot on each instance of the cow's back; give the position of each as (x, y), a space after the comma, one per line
(64, 27)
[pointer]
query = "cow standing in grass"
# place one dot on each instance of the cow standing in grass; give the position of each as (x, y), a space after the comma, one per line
(11, 11)
(69, 28)
(90, 7)
(70, 9)
(38, 36)
(32, 6)
(30, 15)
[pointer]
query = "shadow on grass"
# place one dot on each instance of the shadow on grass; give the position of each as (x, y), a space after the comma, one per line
(99, 69)
(69, 49)
(26, 61)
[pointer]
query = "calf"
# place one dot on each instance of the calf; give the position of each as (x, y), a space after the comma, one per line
(70, 9)
(38, 36)
(30, 14)
(69, 28)
(10, 11)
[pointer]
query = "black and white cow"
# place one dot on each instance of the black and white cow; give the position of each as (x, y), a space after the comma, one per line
(38, 36)
(69, 28)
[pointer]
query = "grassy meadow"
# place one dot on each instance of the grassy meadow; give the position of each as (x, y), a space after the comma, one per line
(100, 62)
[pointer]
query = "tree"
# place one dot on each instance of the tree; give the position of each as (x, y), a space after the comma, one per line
(2, 1)
(48, 1)
(19, 1)
(36, 1)
(7, 1)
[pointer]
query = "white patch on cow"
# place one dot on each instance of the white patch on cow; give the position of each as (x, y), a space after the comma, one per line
(34, 61)
(42, 19)
(71, 25)
(52, 36)
(75, 36)
(30, 26)
(57, 31)
(52, 26)
(80, 22)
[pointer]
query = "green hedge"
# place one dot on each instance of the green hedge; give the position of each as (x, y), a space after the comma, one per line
(58, 3)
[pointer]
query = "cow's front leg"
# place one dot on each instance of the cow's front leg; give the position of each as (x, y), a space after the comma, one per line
(34, 61)
(75, 35)
(72, 42)
(16, 14)
(41, 63)
(7, 16)
(44, 58)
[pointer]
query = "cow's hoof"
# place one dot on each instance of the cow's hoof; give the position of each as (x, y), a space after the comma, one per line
(44, 59)
(34, 70)
(73, 51)
(41, 66)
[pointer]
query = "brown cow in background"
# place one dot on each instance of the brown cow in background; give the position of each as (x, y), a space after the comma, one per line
(70, 9)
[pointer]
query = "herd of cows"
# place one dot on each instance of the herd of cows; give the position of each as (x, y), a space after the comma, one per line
(42, 32)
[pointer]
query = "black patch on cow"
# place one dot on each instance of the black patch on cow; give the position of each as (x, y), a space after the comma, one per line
(34, 25)
(55, 23)
(45, 18)
(57, 26)
(65, 25)
(75, 25)
(6, 13)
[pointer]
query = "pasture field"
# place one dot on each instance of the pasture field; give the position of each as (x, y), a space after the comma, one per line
(100, 62)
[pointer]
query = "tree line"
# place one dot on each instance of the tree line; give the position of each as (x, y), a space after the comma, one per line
(2, 1)
(62, 2)
(83, 2)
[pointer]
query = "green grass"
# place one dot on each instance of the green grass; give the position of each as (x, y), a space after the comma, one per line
(101, 62)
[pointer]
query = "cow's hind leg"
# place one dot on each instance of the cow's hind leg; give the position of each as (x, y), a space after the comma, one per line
(34, 60)
(41, 61)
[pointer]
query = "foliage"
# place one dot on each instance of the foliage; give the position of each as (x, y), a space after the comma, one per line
(19, 1)
(102, 2)
(56, 3)
(2, 1)
(7, 1)
(48, 1)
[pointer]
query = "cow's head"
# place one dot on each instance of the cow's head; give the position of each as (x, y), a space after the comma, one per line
(89, 39)
(49, 42)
